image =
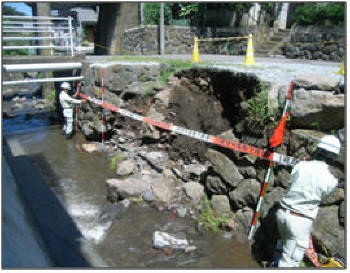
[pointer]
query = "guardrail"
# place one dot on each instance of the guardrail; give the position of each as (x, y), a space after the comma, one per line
(56, 32)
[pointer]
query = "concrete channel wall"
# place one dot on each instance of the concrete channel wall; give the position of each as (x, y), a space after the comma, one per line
(52, 236)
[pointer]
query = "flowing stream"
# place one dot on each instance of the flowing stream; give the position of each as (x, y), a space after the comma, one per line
(78, 179)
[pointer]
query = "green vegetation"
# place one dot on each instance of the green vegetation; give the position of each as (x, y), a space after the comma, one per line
(7, 10)
(259, 109)
(114, 160)
(152, 13)
(323, 14)
(211, 220)
(174, 66)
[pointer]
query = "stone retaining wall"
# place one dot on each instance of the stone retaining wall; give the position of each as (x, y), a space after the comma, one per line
(179, 40)
(316, 42)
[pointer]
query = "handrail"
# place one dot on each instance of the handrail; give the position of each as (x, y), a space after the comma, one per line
(34, 17)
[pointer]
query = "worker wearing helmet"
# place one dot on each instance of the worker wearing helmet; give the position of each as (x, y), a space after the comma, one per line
(310, 182)
(67, 102)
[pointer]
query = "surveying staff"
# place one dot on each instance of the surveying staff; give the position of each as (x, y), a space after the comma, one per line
(67, 105)
(310, 182)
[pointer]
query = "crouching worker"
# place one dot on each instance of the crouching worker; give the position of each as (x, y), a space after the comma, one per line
(310, 182)
(67, 102)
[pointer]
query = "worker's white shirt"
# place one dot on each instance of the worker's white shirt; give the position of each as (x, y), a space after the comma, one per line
(67, 101)
(310, 181)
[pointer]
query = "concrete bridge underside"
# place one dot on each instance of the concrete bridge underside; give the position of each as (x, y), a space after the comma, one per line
(113, 19)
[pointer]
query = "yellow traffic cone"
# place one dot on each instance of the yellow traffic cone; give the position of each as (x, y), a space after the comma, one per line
(249, 58)
(341, 71)
(195, 53)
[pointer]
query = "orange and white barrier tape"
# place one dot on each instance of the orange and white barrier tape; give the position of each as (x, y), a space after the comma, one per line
(229, 144)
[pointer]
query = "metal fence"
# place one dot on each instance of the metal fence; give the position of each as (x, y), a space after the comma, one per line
(54, 33)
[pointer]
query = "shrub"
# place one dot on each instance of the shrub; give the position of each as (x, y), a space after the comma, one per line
(211, 220)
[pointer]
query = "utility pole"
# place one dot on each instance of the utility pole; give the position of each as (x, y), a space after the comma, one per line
(141, 14)
(161, 29)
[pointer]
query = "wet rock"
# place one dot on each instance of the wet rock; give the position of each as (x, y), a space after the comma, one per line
(113, 211)
(229, 224)
(221, 204)
(223, 166)
(215, 185)
(304, 138)
(327, 231)
(316, 82)
(261, 177)
(194, 191)
(133, 186)
(91, 147)
(333, 198)
(125, 167)
(246, 194)
(181, 212)
(317, 110)
(163, 239)
(157, 157)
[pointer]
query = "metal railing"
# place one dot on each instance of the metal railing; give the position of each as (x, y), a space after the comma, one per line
(55, 29)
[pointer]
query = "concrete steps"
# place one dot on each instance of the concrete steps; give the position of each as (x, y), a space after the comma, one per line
(273, 46)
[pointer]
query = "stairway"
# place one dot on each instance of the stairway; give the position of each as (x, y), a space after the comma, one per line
(272, 47)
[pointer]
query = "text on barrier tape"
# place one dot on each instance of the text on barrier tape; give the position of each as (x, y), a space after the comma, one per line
(229, 144)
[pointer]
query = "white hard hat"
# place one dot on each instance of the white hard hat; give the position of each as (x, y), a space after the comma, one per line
(65, 85)
(329, 143)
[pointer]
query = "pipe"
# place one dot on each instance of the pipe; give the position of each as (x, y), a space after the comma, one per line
(62, 79)
(40, 67)
(28, 31)
(24, 23)
(34, 17)
(30, 38)
(29, 47)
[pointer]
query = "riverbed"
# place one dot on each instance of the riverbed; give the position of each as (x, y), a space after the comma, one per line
(78, 180)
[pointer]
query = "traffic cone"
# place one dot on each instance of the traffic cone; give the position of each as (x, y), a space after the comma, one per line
(195, 53)
(249, 58)
(341, 71)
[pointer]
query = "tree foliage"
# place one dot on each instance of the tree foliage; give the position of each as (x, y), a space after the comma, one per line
(324, 14)
(7, 10)
(152, 13)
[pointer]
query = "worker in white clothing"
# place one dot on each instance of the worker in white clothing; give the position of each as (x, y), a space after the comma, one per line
(310, 182)
(67, 102)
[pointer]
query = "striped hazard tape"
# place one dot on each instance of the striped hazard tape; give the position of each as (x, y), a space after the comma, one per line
(229, 144)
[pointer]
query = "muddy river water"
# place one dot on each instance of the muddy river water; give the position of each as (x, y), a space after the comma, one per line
(78, 179)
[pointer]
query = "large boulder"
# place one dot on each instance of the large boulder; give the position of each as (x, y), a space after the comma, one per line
(317, 110)
(148, 187)
(194, 191)
(125, 167)
(327, 231)
(221, 204)
(243, 220)
(300, 138)
(246, 194)
(317, 82)
(215, 185)
(224, 167)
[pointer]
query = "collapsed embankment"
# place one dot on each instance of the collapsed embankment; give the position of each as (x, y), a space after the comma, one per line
(174, 171)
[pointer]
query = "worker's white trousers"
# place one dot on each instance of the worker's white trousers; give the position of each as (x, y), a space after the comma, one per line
(295, 232)
(68, 121)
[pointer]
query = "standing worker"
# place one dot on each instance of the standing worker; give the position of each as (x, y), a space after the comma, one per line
(67, 106)
(310, 182)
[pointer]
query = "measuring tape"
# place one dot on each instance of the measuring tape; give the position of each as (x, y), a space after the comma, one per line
(229, 144)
